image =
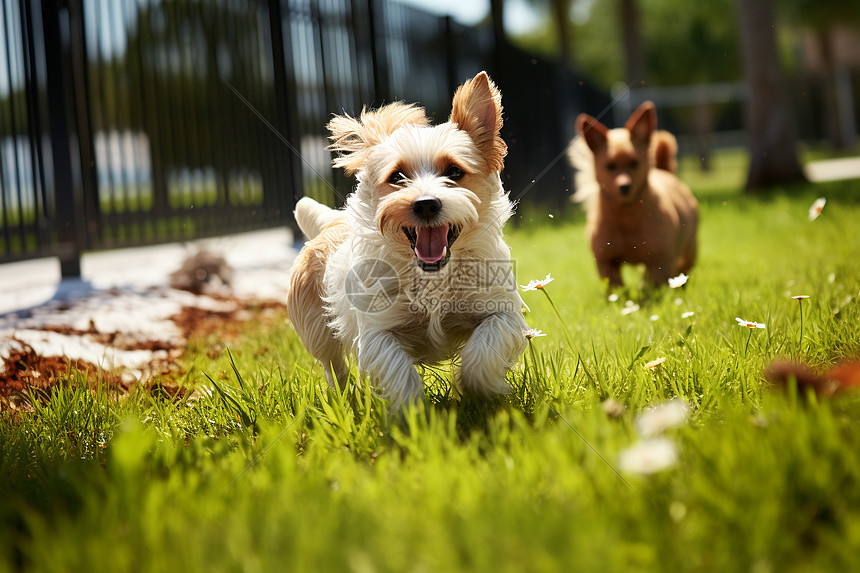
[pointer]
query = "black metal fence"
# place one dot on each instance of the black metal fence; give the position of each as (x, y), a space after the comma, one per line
(128, 122)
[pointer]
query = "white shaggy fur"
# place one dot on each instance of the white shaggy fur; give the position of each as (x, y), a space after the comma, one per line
(470, 306)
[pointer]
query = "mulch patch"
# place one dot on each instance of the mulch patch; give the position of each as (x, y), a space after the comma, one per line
(24, 368)
(114, 339)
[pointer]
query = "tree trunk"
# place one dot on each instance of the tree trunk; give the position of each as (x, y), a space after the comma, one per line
(827, 81)
(770, 119)
(562, 17)
(634, 55)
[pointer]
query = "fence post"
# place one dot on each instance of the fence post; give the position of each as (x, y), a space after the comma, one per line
(67, 217)
(75, 190)
(378, 58)
(450, 55)
(285, 107)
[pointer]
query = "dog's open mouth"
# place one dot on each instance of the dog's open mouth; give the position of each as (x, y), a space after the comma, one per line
(432, 245)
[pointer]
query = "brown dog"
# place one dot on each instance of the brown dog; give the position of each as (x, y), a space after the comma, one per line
(639, 212)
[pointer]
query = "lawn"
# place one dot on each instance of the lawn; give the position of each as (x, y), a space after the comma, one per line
(258, 466)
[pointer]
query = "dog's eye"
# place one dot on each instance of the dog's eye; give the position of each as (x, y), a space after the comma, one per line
(634, 164)
(397, 178)
(454, 173)
(611, 166)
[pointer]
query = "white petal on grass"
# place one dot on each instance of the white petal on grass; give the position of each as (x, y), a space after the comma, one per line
(816, 207)
(661, 417)
(612, 298)
(677, 511)
(678, 281)
(612, 407)
(688, 314)
(648, 456)
(629, 307)
(654, 363)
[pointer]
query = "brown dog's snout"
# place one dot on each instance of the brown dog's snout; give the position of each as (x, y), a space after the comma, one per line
(624, 183)
(426, 208)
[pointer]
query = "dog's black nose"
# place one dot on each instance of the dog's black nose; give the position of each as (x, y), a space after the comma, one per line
(426, 208)
(625, 189)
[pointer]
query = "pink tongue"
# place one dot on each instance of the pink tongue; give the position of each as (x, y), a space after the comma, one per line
(431, 243)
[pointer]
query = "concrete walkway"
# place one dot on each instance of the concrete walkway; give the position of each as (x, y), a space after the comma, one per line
(260, 260)
(833, 169)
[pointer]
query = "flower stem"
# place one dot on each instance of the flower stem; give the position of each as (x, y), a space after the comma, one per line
(748, 342)
(534, 362)
(800, 301)
(558, 315)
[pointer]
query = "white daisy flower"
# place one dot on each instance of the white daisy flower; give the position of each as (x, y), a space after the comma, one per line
(534, 333)
(749, 323)
(538, 284)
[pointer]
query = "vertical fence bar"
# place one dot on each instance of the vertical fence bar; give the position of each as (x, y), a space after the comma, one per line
(11, 66)
(102, 106)
(84, 160)
(275, 198)
(184, 208)
(35, 125)
(5, 192)
(68, 218)
(377, 50)
(286, 95)
(189, 42)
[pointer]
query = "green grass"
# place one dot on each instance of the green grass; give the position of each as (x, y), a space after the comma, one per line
(267, 469)
(727, 172)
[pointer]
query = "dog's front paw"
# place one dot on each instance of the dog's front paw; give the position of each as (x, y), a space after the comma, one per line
(492, 349)
(381, 356)
(484, 375)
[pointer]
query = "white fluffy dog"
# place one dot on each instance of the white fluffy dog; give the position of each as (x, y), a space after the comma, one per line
(414, 269)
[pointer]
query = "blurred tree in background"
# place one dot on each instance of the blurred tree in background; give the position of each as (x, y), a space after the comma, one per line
(820, 19)
(771, 125)
(662, 43)
(679, 42)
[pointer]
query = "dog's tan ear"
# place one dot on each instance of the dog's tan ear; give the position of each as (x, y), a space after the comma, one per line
(592, 131)
(642, 122)
(352, 139)
(477, 110)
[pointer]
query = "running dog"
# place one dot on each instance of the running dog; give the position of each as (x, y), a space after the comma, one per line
(638, 211)
(414, 269)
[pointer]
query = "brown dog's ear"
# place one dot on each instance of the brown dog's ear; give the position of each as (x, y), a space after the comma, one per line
(477, 110)
(642, 122)
(352, 139)
(592, 131)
